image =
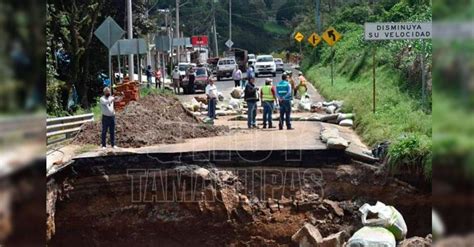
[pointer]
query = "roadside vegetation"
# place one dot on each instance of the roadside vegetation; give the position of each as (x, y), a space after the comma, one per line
(401, 117)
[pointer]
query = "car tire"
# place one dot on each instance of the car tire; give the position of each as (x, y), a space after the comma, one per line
(274, 74)
(218, 78)
(256, 75)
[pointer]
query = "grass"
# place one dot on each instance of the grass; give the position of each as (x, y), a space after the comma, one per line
(273, 27)
(398, 117)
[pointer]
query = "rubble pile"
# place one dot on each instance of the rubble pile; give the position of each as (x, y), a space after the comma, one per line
(152, 120)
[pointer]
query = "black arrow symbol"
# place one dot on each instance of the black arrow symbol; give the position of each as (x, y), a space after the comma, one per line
(331, 34)
(314, 39)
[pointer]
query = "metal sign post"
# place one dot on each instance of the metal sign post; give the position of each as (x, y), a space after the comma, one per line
(109, 32)
(373, 78)
(331, 37)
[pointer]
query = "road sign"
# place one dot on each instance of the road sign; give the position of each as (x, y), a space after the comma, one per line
(314, 39)
(397, 30)
(181, 41)
(162, 43)
(129, 47)
(109, 32)
(229, 43)
(201, 40)
(331, 36)
(299, 36)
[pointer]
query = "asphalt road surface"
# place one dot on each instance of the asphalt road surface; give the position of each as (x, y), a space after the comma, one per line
(226, 85)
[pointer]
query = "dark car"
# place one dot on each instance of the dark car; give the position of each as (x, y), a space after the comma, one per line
(200, 80)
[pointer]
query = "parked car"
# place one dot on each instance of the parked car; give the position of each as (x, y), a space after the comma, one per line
(225, 67)
(182, 67)
(279, 64)
(251, 60)
(265, 64)
(202, 75)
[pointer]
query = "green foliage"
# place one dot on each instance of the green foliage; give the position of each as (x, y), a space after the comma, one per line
(144, 91)
(397, 114)
(413, 151)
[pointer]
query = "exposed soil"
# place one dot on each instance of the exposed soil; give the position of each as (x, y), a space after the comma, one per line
(152, 120)
(189, 205)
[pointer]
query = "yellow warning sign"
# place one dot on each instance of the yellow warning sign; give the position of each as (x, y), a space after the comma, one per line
(299, 36)
(314, 39)
(331, 36)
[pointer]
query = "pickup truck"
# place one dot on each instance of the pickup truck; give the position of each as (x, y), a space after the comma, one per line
(225, 67)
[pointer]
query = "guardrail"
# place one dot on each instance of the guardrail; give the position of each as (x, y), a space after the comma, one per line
(65, 126)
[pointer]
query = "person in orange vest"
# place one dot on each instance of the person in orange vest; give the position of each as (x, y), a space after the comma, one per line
(268, 98)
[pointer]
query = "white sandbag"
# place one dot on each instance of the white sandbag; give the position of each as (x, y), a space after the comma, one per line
(372, 236)
(331, 109)
(237, 93)
(347, 122)
(304, 104)
(329, 133)
(386, 216)
(220, 96)
(344, 116)
(337, 143)
(234, 104)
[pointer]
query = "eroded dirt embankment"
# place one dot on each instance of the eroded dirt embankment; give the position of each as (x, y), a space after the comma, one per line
(189, 205)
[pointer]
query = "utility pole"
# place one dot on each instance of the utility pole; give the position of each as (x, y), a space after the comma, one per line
(177, 29)
(318, 15)
(131, 71)
(215, 29)
(230, 20)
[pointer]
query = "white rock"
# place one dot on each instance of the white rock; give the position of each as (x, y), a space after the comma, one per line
(337, 143)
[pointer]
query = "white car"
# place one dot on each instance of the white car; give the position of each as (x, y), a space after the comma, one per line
(265, 64)
(279, 64)
(225, 67)
(182, 67)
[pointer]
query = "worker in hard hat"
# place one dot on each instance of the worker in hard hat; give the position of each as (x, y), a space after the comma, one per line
(268, 98)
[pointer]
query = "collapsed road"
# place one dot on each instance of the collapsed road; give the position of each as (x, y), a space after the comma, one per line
(228, 189)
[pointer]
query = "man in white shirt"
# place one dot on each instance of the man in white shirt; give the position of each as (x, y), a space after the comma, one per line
(176, 80)
(211, 92)
(108, 116)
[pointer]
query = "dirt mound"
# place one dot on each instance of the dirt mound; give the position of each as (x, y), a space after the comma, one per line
(155, 119)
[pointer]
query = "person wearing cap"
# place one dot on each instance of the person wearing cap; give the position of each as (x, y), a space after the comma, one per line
(268, 97)
(284, 93)
(211, 92)
(108, 116)
(302, 88)
(251, 97)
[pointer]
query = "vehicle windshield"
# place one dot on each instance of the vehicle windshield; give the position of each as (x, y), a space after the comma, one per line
(222, 62)
(200, 72)
(251, 56)
(182, 67)
(278, 60)
(265, 59)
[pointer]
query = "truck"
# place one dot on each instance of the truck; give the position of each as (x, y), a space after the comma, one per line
(240, 56)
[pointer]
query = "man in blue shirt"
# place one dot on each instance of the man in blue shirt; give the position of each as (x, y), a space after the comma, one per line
(284, 94)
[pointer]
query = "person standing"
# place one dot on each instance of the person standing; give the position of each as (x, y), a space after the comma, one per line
(108, 116)
(149, 75)
(250, 75)
(250, 96)
(284, 97)
(211, 92)
(302, 87)
(158, 78)
(268, 97)
(292, 82)
(237, 76)
(191, 79)
(176, 80)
